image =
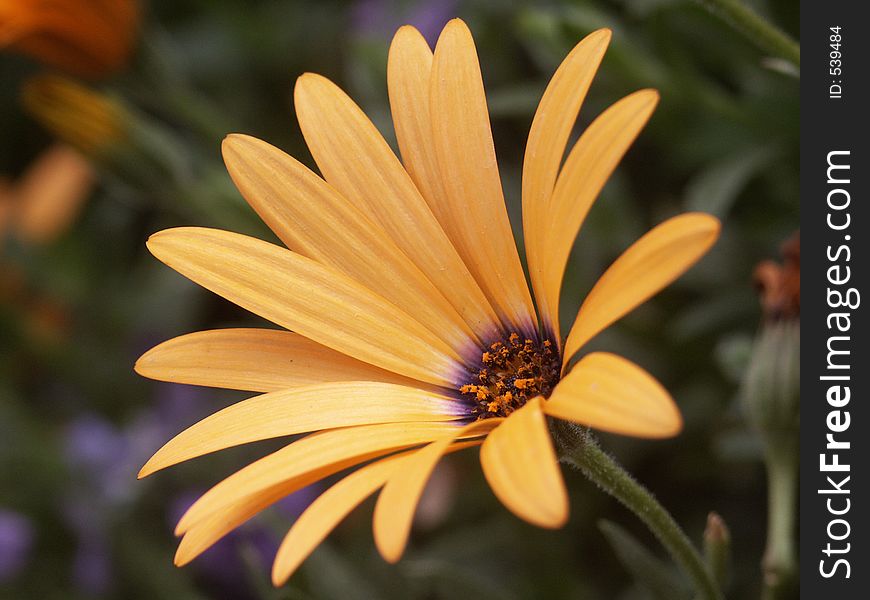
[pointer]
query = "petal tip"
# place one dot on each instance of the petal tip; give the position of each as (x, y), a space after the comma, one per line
(139, 367)
(231, 140)
(651, 95)
(675, 424)
(146, 470)
(279, 575)
(455, 26)
(605, 34)
(156, 240)
(309, 78)
(182, 557)
(558, 519)
(407, 30)
(707, 224)
(390, 552)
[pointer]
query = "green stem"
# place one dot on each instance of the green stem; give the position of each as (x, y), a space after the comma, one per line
(599, 467)
(766, 36)
(780, 555)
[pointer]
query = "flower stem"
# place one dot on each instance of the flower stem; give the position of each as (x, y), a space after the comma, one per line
(780, 556)
(599, 467)
(766, 36)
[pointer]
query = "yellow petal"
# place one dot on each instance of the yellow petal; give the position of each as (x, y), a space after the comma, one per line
(394, 512)
(356, 160)
(311, 299)
(408, 69)
(476, 216)
(255, 360)
(313, 219)
(650, 264)
(610, 393)
(548, 136)
(522, 469)
(586, 170)
(200, 536)
(304, 409)
(326, 512)
(319, 455)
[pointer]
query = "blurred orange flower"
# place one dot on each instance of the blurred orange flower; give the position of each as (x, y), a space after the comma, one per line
(89, 38)
(779, 287)
(89, 121)
(47, 198)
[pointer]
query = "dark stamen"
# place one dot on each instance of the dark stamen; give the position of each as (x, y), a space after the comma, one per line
(511, 373)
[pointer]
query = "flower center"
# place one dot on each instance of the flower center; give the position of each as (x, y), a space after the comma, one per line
(511, 373)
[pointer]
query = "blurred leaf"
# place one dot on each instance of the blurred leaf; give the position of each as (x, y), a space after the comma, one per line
(455, 581)
(332, 576)
(649, 572)
(732, 355)
(716, 188)
(739, 445)
(515, 101)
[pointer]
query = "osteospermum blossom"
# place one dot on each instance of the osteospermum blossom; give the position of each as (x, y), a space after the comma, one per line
(412, 331)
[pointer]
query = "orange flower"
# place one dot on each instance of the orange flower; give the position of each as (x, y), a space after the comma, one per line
(90, 38)
(48, 197)
(779, 287)
(414, 333)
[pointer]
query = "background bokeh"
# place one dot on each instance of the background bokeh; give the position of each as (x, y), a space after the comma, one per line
(76, 311)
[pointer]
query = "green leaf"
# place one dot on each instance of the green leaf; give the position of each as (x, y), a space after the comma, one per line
(648, 571)
(330, 575)
(716, 188)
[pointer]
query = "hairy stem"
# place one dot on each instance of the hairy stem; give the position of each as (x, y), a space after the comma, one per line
(602, 469)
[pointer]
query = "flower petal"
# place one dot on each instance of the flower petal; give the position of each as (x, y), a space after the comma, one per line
(255, 360)
(203, 534)
(394, 512)
(356, 160)
(317, 455)
(311, 299)
(476, 216)
(522, 469)
(650, 264)
(589, 165)
(313, 219)
(326, 512)
(608, 392)
(301, 410)
(408, 69)
(322, 515)
(548, 136)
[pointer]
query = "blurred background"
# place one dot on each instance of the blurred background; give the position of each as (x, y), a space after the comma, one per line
(112, 132)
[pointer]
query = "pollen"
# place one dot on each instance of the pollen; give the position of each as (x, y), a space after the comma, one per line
(512, 372)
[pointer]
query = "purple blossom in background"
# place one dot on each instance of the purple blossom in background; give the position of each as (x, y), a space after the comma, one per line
(293, 505)
(16, 540)
(369, 16)
(99, 454)
(92, 565)
(381, 18)
(105, 459)
(431, 17)
(223, 564)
